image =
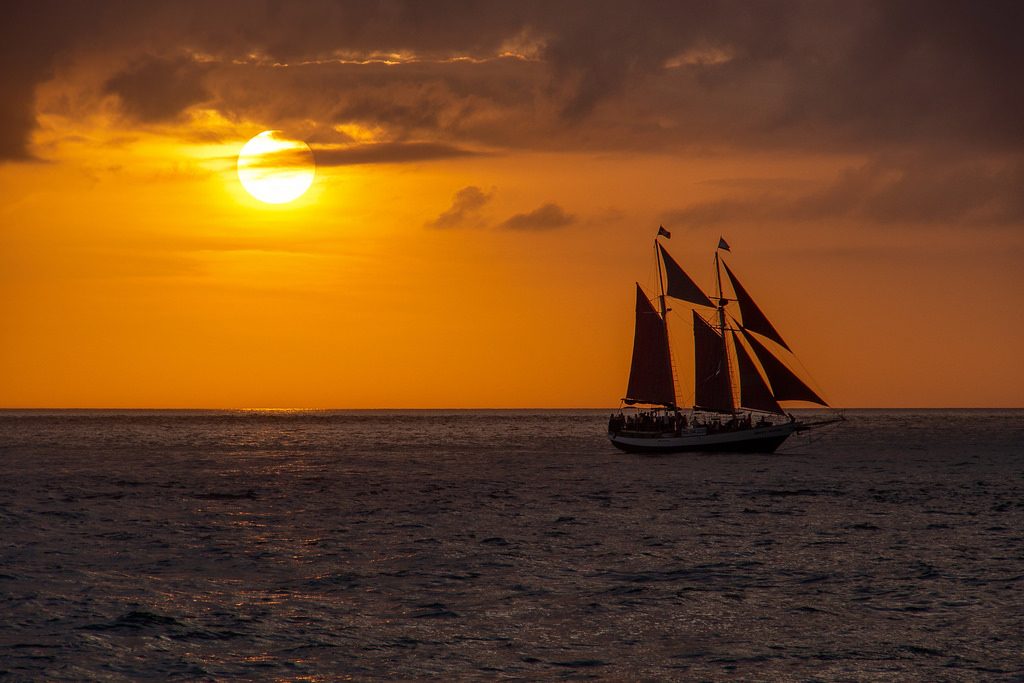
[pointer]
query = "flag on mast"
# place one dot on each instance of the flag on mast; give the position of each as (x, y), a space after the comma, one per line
(722, 244)
(662, 232)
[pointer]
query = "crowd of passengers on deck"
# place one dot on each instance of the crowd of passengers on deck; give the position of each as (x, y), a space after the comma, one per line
(661, 422)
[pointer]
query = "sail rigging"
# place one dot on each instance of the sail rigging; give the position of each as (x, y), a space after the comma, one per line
(785, 385)
(650, 372)
(753, 318)
(763, 379)
(712, 384)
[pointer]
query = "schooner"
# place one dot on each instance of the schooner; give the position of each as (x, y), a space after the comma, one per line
(739, 374)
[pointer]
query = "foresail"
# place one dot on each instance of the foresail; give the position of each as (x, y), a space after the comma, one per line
(754, 393)
(785, 385)
(650, 374)
(753, 318)
(679, 285)
(712, 384)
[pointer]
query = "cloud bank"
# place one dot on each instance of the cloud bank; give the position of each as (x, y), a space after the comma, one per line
(916, 191)
(895, 83)
(789, 74)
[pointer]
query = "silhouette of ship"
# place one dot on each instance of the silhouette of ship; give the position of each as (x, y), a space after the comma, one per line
(740, 374)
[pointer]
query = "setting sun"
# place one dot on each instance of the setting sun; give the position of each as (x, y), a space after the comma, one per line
(276, 169)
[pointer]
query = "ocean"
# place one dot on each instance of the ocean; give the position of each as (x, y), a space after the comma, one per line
(481, 545)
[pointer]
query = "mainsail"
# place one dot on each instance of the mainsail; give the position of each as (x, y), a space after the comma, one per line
(650, 374)
(713, 386)
(753, 318)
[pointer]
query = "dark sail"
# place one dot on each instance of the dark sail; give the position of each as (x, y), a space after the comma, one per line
(786, 386)
(679, 285)
(650, 375)
(754, 393)
(712, 385)
(753, 318)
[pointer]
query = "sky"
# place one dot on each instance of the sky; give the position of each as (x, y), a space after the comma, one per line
(490, 177)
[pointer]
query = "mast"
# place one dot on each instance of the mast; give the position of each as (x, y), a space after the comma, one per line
(721, 320)
(661, 284)
(664, 321)
(718, 294)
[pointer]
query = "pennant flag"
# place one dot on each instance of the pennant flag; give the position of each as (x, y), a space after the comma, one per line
(662, 232)
(722, 244)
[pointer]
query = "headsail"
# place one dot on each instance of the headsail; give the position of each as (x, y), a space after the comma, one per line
(786, 386)
(650, 374)
(754, 393)
(679, 285)
(753, 318)
(712, 384)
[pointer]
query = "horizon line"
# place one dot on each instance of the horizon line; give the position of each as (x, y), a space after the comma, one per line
(450, 408)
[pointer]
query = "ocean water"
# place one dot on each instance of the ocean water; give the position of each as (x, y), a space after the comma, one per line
(505, 544)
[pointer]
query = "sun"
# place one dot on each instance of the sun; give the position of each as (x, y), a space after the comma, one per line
(276, 169)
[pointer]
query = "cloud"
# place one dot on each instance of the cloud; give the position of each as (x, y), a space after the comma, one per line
(355, 154)
(465, 208)
(920, 190)
(463, 104)
(155, 90)
(547, 217)
(283, 158)
(388, 153)
(32, 35)
(788, 75)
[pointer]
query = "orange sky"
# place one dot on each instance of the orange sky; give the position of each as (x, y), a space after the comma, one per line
(483, 205)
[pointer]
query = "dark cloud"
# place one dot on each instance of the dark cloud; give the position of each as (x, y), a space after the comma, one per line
(909, 72)
(459, 103)
(298, 156)
(916, 191)
(465, 209)
(388, 153)
(32, 35)
(158, 90)
(547, 217)
(608, 45)
(880, 75)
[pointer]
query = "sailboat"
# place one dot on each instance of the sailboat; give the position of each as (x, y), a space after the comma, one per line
(740, 376)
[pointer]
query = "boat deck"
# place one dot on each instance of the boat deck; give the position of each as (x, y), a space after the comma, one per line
(761, 439)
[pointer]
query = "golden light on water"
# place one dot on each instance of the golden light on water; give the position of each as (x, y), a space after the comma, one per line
(276, 169)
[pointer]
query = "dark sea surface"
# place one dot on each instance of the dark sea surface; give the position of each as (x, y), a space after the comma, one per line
(149, 545)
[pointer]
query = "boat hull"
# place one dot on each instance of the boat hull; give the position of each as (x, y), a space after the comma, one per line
(753, 440)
